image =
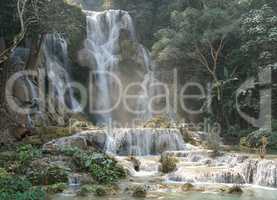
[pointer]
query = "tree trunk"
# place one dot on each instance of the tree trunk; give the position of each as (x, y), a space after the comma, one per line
(2, 44)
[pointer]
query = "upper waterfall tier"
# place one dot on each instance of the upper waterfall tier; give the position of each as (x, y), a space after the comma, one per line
(117, 60)
(102, 49)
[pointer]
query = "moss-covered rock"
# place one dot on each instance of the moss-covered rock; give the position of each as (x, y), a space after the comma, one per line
(42, 135)
(101, 191)
(85, 190)
(234, 190)
(169, 163)
(97, 190)
(140, 192)
(187, 187)
(56, 188)
(158, 122)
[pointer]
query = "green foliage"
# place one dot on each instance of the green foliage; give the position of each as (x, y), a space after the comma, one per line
(253, 140)
(16, 188)
(58, 16)
(259, 35)
(8, 19)
(3, 173)
(27, 153)
(48, 175)
(102, 168)
(100, 191)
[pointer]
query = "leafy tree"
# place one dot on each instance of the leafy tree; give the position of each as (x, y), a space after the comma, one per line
(35, 18)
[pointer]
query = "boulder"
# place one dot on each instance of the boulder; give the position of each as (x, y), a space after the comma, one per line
(235, 190)
(136, 163)
(169, 163)
(187, 187)
(84, 140)
(157, 122)
(140, 192)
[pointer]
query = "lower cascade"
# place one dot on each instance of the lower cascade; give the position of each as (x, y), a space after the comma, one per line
(139, 151)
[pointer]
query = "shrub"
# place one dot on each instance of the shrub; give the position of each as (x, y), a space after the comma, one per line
(254, 139)
(102, 168)
(48, 176)
(3, 173)
(27, 153)
(101, 191)
(169, 163)
(56, 188)
(16, 188)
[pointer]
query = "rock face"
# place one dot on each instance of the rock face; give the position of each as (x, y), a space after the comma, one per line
(84, 140)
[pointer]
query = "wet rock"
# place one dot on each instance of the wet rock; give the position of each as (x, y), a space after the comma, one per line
(86, 179)
(234, 190)
(193, 137)
(83, 140)
(136, 163)
(187, 187)
(140, 192)
(21, 132)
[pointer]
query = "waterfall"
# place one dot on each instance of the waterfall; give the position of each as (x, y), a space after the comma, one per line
(57, 67)
(260, 172)
(141, 142)
(102, 45)
(105, 31)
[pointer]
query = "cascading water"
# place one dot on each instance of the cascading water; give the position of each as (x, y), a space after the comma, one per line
(105, 33)
(57, 67)
(143, 142)
(102, 45)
